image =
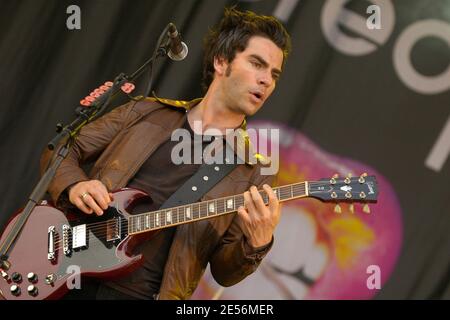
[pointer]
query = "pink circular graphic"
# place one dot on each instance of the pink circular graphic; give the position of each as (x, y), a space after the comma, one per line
(318, 253)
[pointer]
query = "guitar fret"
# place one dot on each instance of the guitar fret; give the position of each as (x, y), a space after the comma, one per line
(163, 218)
(284, 193)
(183, 217)
(176, 215)
(220, 206)
(225, 205)
(203, 210)
(299, 190)
(238, 202)
(196, 211)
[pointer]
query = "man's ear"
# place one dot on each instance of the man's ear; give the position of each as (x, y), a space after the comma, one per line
(220, 65)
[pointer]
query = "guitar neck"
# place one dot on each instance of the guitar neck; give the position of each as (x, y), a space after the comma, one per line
(207, 209)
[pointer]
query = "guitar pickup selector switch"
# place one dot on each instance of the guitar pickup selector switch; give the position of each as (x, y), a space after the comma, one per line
(50, 279)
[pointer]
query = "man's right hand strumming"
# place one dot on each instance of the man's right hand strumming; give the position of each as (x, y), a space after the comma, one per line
(90, 196)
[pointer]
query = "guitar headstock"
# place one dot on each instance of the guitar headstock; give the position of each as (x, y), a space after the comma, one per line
(360, 189)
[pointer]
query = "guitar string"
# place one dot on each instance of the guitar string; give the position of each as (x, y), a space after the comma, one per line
(169, 222)
(103, 225)
(300, 186)
(204, 203)
(199, 204)
(102, 231)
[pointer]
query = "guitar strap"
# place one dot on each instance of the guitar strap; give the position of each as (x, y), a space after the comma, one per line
(206, 177)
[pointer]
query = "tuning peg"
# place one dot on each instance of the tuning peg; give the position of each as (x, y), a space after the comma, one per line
(347, 180)
(337, 209)
(366, 208)
(333, 178)
(352, 208)
(348, 194)
(334, 195)
(362, 178)
(362, 195)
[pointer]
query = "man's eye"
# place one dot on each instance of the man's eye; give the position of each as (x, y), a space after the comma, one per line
(256, 64)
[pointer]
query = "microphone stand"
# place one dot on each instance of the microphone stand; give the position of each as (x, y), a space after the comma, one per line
(64, 139)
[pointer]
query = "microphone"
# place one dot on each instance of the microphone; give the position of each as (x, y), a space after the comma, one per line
(178, 50)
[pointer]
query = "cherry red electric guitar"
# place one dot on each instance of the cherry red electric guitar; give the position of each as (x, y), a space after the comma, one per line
(51, 243)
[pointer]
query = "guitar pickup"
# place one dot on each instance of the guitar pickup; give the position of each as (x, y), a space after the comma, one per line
(79, 236)
(113, 229)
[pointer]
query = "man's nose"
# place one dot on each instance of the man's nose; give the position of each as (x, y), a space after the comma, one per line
(265, 79)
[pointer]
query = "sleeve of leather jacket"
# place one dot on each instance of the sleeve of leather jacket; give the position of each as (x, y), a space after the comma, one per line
(230, 262)
(91, 141)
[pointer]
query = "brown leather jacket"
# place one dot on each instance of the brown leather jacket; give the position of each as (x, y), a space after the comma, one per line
(119, 143)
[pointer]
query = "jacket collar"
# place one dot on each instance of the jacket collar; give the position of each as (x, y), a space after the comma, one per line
(243, 143)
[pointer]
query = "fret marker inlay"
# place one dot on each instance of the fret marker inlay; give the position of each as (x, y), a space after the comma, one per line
(188, 212)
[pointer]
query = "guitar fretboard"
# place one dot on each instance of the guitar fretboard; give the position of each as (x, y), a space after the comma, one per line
(206, 209)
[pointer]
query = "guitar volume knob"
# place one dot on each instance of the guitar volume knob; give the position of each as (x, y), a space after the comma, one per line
(15, 290)
(16, 277)
(32, 277)
(32, 290)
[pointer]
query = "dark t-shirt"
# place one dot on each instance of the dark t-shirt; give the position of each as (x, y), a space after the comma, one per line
(160, 178)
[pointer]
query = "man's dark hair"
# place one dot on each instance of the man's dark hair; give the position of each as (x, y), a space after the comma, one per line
(232, 33)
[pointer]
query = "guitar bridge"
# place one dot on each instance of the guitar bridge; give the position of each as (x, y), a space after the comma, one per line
(51, 243)
(66, 236)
